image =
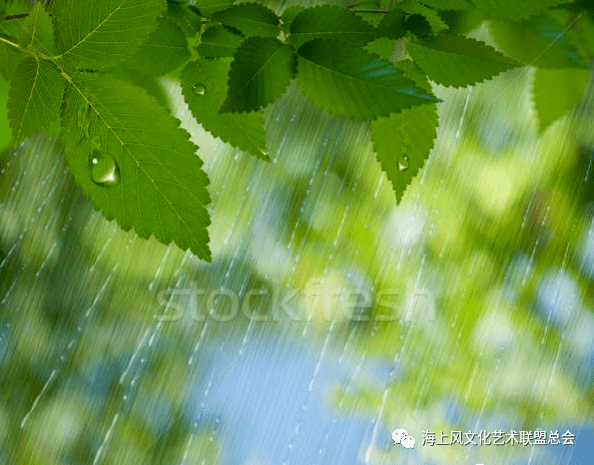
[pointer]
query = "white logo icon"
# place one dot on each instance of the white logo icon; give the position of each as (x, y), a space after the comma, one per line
(400, 436)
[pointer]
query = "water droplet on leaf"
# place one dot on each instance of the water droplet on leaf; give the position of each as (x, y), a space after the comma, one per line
(403, 163)
(264, 151)
(199, 89)
(104, 170)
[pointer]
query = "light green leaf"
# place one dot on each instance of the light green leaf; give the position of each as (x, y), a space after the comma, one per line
(463, 21)
(382, 47)
(261, 71)
(219, 41)
(515, 10)
(130, 157)
(209, 7)
(403, 141)
(101, 33)
(251, 19)
(458, 61)
(37, 31)
(330, 22)
(34, 98)
(347, 81)
(542, 42)
(204, 85)
(165, 50)
(556, 92)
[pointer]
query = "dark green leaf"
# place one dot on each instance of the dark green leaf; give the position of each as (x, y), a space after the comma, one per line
(2, 10)
(37, 31)
(288, 17)
(9, 59)
(251, 19)
(242, 130)
(164, 50)
(209, 7)
(515, 10)
(101, 33)
(135, 162)
(348, 81)
(330, 22)
(541, 42)
(458, 61)
(448, 4)
(5, 134)
(392, 25)
(186, 17)
(260, 73)
(556, 92)
(422, 21)
(219, 41)
(34, 98)
(403, 141)
(10, 55)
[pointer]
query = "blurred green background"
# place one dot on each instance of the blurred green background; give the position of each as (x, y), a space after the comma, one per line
(491, 253)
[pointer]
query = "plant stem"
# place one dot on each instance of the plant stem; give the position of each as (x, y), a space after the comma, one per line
(381, 12)
(20, 16)
(6, 41)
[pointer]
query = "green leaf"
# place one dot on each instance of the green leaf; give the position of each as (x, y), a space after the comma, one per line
(242, 130)
(463, 21)
(556, 92)
(403, 141)
(186, 17)
(422, 20)
(101, 33)
(347, 81)
(208, 8)
(458, 61)
(541, 42)
(10, 58)
(515, 10)
(251, 19)
(579, 27)
(2, 10)
(135, 162)
(165, 50)
(147, 82)
(448, 4)
(382, 47)
(34, 98)
(288, 17)
(261, 71)
(5, 133)
(392, 25)
(37, 32)
(330, 22)
(219, 41)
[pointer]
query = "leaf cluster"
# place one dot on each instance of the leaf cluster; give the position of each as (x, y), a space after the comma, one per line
(88, 71)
